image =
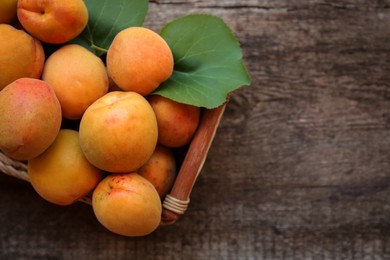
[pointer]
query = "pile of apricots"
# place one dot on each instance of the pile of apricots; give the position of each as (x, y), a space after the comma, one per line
(122, 151)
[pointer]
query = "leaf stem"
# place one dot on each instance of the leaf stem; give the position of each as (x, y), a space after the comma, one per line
(99, 48)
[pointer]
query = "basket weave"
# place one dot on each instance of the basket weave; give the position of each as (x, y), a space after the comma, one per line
(176, 202)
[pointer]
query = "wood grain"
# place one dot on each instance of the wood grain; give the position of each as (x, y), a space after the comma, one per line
(299, 168)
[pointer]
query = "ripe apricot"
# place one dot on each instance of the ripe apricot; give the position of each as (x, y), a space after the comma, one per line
(78, 77)
(30, 118)
(118, 132)
(139, 60)
(160, 169)
(127, 204)
(62, 175)
(20, 55)
(53, 21)
(177, 122)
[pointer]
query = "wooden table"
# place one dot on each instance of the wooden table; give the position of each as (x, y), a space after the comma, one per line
(300, 166)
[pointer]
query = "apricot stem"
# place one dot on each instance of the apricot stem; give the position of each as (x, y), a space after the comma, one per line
(99, 48)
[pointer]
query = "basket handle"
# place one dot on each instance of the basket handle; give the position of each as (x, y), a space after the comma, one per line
(176, 202)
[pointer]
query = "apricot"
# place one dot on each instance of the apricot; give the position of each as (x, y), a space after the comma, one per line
(61, 174)
(7, 11)
(20, 55)
(118, 132)
(160, 169)
(53, 21)
(78, 77)
(30, 118)
(139, 59)
(177, 122)
(127, 204)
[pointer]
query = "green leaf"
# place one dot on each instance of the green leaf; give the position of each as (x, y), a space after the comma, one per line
(107, 18)
(208, 61)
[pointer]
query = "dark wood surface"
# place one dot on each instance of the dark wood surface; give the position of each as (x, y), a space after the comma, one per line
(299, 168)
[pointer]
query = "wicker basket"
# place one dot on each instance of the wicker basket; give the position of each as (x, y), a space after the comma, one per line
(177, 201)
